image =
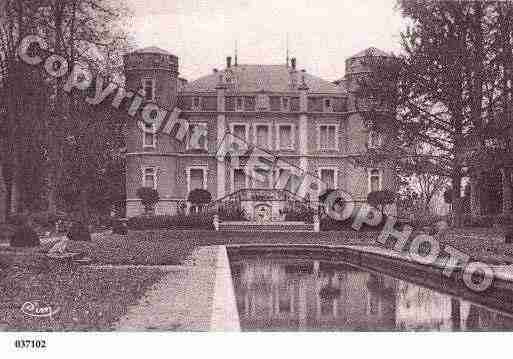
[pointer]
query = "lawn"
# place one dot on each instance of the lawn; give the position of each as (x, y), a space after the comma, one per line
(167, 247)
(88, 299)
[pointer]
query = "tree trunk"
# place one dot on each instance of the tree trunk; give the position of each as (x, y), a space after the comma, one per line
(456, 200)
(475, 191)
(507, 200)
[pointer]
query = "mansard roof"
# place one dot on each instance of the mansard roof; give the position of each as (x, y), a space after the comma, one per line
(255, 78)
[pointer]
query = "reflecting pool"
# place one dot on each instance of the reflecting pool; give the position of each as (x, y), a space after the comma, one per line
(298, 294)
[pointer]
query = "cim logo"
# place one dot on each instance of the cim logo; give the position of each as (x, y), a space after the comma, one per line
(37, 309)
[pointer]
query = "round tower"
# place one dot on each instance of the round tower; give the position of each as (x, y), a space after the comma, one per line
(358, 67)
(155, 71)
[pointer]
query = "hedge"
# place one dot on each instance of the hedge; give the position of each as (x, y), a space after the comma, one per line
(193, 221)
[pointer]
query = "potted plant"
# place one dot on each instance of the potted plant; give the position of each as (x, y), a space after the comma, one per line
(149, 198)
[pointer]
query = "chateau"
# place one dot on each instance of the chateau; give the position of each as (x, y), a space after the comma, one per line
(312, 125)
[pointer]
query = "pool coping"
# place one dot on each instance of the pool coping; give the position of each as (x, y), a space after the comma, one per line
(225, 315)
(398, 265)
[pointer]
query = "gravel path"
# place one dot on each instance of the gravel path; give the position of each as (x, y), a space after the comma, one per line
(182, 300)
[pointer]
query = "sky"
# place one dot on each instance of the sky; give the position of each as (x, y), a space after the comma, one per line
(322, 33)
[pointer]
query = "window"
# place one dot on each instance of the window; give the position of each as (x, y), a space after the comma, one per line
(249, 103)
(262, 136)
(239, 179)
(196, 178)
(294, 104)
(315, 104)
(240, 104)
(328, 105)
(284, 300)
(198, 136)
(149, 136)
(374, 139)
(285, 103)
(229, 104)
(196, 104)
(240, 130)
(275, 103)
(329, 177)
(374, 180)
(148, 85)
(328, 137)
(209, 103)
(285, 137)
(262, 103)
(149, 177)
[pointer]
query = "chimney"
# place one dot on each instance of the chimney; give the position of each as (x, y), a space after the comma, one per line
(228, 61)
(215, 71)
(293, 63)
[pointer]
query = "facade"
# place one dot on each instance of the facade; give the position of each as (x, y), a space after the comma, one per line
(309, 124)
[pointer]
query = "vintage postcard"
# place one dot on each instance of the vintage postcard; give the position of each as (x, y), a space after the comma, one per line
(254, 166)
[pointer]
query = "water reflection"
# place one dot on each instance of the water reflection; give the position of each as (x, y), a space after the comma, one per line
(297, 294)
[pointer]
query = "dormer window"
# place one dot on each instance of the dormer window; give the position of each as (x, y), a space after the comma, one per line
(240, 104)
(328, 105)
(148, 85)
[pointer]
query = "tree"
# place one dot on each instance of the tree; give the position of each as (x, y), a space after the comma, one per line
(86, 33)
(199, 197)
(440, 94)
(149, 198)
(380, 199)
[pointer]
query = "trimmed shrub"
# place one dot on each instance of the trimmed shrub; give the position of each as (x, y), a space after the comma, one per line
(504, 220)
(421, 220)
(232, 213)
(380, 199)
(149, 198)
(79, 232)
(119, 227)
(304, 214)
(478, 221)
(47, 219)
(330, 224)
(193, 221)
(199, 197)
(24, 236)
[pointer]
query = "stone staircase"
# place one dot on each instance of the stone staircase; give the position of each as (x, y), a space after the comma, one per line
(266, 227)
